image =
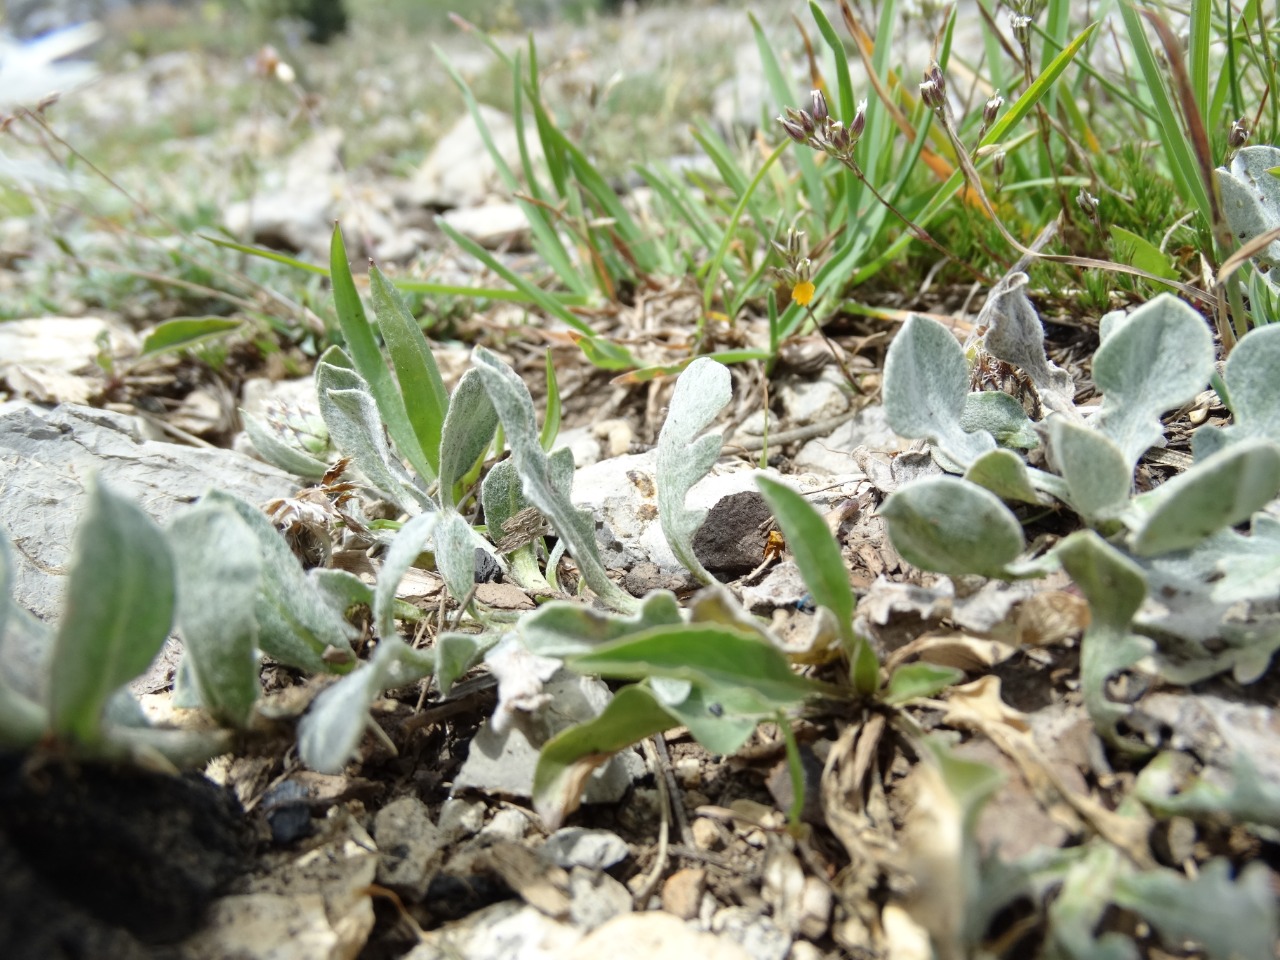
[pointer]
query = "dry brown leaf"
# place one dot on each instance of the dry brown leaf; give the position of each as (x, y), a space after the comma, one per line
(978, 706)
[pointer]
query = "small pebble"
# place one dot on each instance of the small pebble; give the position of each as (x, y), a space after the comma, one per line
(689, 770)
(682, 893)
(706, 834)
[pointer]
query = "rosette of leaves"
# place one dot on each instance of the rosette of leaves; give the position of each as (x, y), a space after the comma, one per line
(1164, 571)
(711, 667)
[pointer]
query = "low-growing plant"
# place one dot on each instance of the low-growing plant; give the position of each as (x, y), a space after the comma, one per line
(219, 574)
(1163, 570)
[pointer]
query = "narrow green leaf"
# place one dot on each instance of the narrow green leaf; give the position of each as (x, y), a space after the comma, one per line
(816, 551)
(456, 554)
(568, 759)
(561, 629)
(183, 332)
(920, 680)
(1145, 254)
(119, 608)
(551, 415)
(367, 358)
(425, 398)
(219, 567)
(746, 673)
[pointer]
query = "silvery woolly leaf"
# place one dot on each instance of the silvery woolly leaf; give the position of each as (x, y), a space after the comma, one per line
(1098, 478)
(1251, 567)
(356, 430)
(1015, 335)
(22, 721)
(561, 629)
(1221, 491)
(1157, 358)
(926, 386)
(1254, 388)
(455, 549)
(1231, 919)
(468, 430)
(334, 725)
(685, 455)
(278, 453)
(119, 607)
(1001, 416)
(1251, 199)
(1004, 474)
(951, 526)
(410, 540)
(296, 623)
(219, 566)
(575, 527)
(1115, 588)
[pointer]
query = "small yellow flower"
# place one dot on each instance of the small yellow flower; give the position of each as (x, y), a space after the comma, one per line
(803, 292)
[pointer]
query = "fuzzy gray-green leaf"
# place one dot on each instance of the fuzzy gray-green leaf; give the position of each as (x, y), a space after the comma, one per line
(296, 623)
(278, 453)
(1251, 378)
(1221, 491)
(576, 527)
(685, 456)
(410, 540)
(468, 431)
(951, 526)
(1005, 474)
(1001, 416)
(334, 725)
(926, 386)
(219, 566)
(1015, 335)
(1232, 919)
(1115, 588)
(356, 429)
(1097, 475)
(119, 608)
(1157, 358)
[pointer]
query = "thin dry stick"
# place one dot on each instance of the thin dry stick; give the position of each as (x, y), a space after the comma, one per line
(650, 882)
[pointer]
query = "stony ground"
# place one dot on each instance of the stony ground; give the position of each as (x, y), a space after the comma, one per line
(427, 846)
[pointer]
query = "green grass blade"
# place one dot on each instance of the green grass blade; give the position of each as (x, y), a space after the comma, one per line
(604, 354)
(1173, 138)
(717, 260)
(182, 332)
(816, 552)
(263, 253)
(1198, 54)
(780, 88)
(546, 239)
(852, 187)
(425, 398)
(365, 355)
(551, 416)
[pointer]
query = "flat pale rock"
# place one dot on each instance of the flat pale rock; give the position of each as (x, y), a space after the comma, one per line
(66, 344)
(47, 458)
(642, 936)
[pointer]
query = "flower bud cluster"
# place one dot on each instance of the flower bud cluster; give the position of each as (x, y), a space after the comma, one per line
(815, 128)
(933, 91)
